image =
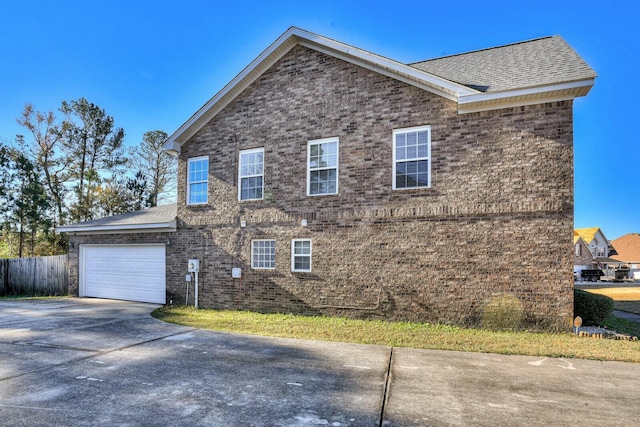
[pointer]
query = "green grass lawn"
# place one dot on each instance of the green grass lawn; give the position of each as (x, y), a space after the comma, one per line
(404, 334)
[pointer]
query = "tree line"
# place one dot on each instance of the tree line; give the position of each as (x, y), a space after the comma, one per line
(71, 168)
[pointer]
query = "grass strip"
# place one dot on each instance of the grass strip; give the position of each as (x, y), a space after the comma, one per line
(403, 334)
(623, 325)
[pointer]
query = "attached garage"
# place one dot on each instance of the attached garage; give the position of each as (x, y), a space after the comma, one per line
(122, 257)
(128, 272)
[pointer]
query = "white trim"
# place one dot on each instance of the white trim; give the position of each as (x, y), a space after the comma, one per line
(467, 98)
(286, 42)
(293, 255)
(173, 148)
(274, 252)
(395, 161)
(189, 161)
(522, 97)
(336, 167)
(250, 151)
(120, 228)
(393, 69)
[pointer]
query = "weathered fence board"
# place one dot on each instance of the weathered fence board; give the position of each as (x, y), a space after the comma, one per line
(35, 276)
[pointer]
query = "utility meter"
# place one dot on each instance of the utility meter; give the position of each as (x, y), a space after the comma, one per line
(194, 266)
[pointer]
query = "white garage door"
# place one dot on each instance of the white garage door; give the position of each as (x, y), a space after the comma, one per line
(127, 272)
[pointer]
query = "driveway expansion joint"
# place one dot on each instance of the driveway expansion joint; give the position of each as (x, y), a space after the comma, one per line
(386, 389)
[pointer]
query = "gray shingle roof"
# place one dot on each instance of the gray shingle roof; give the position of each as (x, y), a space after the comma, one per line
(163, 216)
(538, 62)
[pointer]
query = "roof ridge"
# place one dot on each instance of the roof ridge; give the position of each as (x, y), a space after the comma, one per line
(483, 50)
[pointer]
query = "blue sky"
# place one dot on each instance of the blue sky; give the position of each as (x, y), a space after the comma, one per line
(152, 64)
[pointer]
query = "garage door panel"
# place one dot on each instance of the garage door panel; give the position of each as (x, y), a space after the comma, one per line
(127, 272)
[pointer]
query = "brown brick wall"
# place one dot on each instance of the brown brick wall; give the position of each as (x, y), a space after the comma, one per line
(585, 257)
(498, 218)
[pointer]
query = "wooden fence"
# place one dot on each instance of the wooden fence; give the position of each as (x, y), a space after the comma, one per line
(42, 276)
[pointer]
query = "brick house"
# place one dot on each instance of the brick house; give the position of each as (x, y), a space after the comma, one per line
(334, 181)
(582, 257)
(627, 249)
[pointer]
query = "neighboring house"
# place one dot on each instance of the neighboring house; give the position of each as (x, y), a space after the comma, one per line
(582, 258)
(599, 249)
(328, 180)
(628, 251)
(595, 240)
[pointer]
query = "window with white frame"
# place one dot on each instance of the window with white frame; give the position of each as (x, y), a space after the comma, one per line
(412, 158)
(322, 167)
(251, 174)
(263, 254)
(301, 255)
(197, 180)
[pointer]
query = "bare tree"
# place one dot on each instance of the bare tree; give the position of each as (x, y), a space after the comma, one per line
(158, 167)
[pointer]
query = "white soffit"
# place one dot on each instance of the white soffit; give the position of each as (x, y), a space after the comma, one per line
(119, 228)
(527, 96)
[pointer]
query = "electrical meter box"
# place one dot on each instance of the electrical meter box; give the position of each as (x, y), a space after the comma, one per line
(194, 266)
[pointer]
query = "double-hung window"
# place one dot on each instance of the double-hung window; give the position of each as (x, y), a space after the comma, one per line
(322, 167)
(197, 180)
(412, 158)
(251, 174)
(263, 254)
(301, 255)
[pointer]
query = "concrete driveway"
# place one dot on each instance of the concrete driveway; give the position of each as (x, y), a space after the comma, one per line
(77, 362)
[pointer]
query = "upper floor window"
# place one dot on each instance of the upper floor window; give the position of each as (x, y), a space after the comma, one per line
(322, 167)
(251, 174)
(412, 158)
(197, 180)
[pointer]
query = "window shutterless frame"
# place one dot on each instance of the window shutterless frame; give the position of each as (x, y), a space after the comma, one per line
(322, 166)
(251, 174)
(301, 255)
(412, 158)
(198, 180)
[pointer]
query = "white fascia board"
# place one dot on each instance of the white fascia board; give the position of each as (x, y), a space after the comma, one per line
(386, 66)
(475, 108)
(116, 229)
(172, 147)
(348, 53)
(239, 83)
(516, 97)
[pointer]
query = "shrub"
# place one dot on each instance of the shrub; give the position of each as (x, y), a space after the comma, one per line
(502, 312)
(593, 308)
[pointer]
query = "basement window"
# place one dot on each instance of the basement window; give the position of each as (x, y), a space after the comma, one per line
(263, 254)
